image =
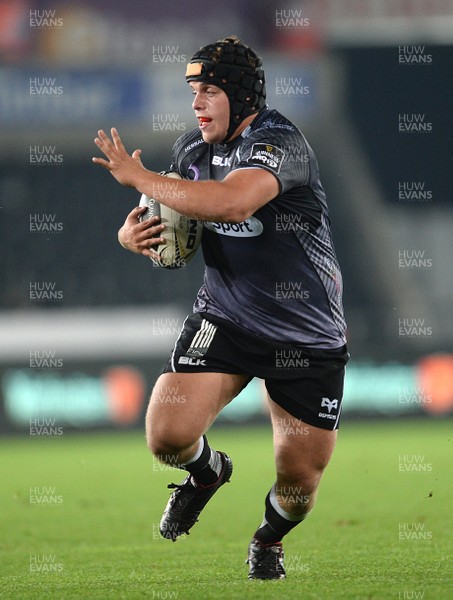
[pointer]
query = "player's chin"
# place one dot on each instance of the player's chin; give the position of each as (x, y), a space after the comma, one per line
(212, 137)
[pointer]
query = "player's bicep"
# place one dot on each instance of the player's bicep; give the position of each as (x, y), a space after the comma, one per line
(251, 188)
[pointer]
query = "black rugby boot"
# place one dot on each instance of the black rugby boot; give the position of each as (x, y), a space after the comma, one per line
(266, 561)
(188, 500)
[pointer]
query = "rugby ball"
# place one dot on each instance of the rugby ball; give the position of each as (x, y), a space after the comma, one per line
(182, 234)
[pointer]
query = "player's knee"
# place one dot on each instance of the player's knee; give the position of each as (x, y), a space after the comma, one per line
(159, 445)
(166, 444)
(299, 485)
(167, 435)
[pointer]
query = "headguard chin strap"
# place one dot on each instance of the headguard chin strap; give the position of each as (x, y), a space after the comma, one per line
(236, 69)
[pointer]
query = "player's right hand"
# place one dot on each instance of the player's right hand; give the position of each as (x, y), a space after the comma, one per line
(139, 236)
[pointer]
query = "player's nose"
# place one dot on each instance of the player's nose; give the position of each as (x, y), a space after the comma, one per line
(197, 103)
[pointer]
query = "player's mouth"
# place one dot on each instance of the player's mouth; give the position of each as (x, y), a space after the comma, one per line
(203, 121)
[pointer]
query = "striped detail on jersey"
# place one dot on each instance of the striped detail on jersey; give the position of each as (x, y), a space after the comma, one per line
(319, 249)
(202, 339)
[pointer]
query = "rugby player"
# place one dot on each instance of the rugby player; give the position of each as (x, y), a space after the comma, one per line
(251, 176)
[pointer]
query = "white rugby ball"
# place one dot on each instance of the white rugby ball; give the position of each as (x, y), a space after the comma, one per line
(182, 234)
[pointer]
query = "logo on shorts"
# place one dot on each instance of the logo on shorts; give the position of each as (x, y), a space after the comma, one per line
(200, 344)
(330, 405)
(193, 362)
(268, 155)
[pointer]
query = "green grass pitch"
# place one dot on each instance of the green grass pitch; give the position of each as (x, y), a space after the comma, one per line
(79, 517)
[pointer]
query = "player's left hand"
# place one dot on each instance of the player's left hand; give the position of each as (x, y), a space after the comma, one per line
(124, 167)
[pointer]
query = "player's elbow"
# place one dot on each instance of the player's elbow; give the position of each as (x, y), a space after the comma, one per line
(235, 215)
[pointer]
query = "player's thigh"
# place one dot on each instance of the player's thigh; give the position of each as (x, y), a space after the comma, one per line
(304, 445)
(301, 450)
(184, 405)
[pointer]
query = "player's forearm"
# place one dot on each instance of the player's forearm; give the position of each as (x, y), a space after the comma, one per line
(203, 200)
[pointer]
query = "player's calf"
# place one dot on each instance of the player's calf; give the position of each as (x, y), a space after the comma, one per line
(278, 522)
(296, 496)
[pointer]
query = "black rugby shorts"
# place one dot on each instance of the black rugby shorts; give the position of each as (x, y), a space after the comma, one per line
(306, 382)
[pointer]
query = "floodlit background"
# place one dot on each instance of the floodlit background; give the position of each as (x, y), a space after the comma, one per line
(85, 326)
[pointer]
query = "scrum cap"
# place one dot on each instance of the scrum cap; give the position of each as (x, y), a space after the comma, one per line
(236, 69)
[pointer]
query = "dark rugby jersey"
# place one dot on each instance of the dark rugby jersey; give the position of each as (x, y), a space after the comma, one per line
(275, 274)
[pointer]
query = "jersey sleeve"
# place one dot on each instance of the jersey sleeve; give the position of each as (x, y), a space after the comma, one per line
(283, 152)
(175, 156)
(185, 150)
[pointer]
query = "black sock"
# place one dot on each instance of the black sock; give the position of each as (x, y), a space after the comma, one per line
(207, 467)
(274, 526)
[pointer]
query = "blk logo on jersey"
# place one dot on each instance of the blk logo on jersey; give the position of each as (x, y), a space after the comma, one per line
(268, 155)
(251, 227)
(330, 405)
(222, 161)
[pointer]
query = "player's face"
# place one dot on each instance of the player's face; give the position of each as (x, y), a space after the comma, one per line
(212, 110)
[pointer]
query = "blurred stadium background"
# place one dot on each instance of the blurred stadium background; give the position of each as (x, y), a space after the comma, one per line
(85, 326)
